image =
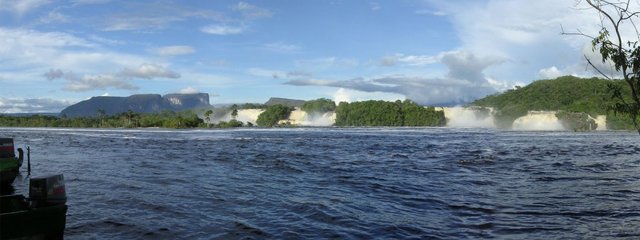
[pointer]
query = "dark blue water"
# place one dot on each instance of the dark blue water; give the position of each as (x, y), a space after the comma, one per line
(398, 183)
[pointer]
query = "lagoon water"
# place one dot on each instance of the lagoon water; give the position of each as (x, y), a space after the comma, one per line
(305, 183)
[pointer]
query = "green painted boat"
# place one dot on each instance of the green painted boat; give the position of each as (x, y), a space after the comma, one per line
(9, 163)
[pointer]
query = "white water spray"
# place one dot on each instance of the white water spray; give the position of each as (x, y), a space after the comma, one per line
(462, 117)
(538, 121)
(601, 120)
(302, 118)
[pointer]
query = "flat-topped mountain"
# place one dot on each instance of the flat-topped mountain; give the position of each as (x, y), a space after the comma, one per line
(139, 103)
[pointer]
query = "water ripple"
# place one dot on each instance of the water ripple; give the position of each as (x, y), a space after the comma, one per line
(356, 183)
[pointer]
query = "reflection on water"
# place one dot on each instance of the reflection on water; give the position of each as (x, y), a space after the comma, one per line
(342, 183)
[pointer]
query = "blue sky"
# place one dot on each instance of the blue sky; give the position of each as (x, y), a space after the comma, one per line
(56, 53)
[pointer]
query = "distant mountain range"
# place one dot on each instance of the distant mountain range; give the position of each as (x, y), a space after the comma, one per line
(140, 103)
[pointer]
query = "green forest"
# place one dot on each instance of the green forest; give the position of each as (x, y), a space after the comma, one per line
(383, 113)
(130, 119)
(567, 94)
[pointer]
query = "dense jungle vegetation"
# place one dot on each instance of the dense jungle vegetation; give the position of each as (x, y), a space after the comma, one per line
(567, 94)
(130, 119)
(383, 113)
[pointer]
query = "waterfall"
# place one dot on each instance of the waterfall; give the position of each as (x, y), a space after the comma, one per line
(244, 115)
(538, 121)
(469, 117)
(302, 118)
(601, 120)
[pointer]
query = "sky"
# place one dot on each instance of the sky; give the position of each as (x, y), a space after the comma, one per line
(57, 53)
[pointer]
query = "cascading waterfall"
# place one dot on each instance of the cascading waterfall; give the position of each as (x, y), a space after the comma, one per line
(302, 118)
(538, 121)
(244, 115)
(601, 120)
(457, 117)
(463, 117)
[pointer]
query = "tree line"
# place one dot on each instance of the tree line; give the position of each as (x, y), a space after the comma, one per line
(568, 94)
(129, 119)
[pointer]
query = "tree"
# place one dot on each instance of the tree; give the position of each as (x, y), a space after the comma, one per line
(234, 111)
(207, 115)
(625, 55)
(321, 105)
(273, 114)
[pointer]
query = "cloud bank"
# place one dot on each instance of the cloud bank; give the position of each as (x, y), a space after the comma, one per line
(119, 80)
(464, 82)
(32, 105)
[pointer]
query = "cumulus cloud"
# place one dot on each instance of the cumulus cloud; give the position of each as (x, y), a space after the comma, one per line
(119, 80)
(173, 50)
(550, 72)
(222, 29)
(32, 105)
(189, 90)
(528, 39)
(148, 71)
(96, 82)
(464, 82)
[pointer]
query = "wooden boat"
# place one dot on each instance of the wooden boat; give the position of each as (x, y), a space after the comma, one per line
(41, 216)
(9, 164)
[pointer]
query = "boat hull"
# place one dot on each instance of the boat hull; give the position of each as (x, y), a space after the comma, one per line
(21, 222)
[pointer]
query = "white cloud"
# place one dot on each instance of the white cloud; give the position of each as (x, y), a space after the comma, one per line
(528, 39)
(119, 80)
(32, 105)
(464, 82)
(251, 11)
(54, 17)
(375, 6)
(550, 72)
(410, 60)
(173, 50)
(222, 29)
(327, 62)
(96, 82)
(20, 7)
(127, 23)
(148, 71)
(189, 90)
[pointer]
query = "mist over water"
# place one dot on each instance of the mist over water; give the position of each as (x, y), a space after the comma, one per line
(302, 118)
(462, 117)
(363, 183)
(538, 121)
